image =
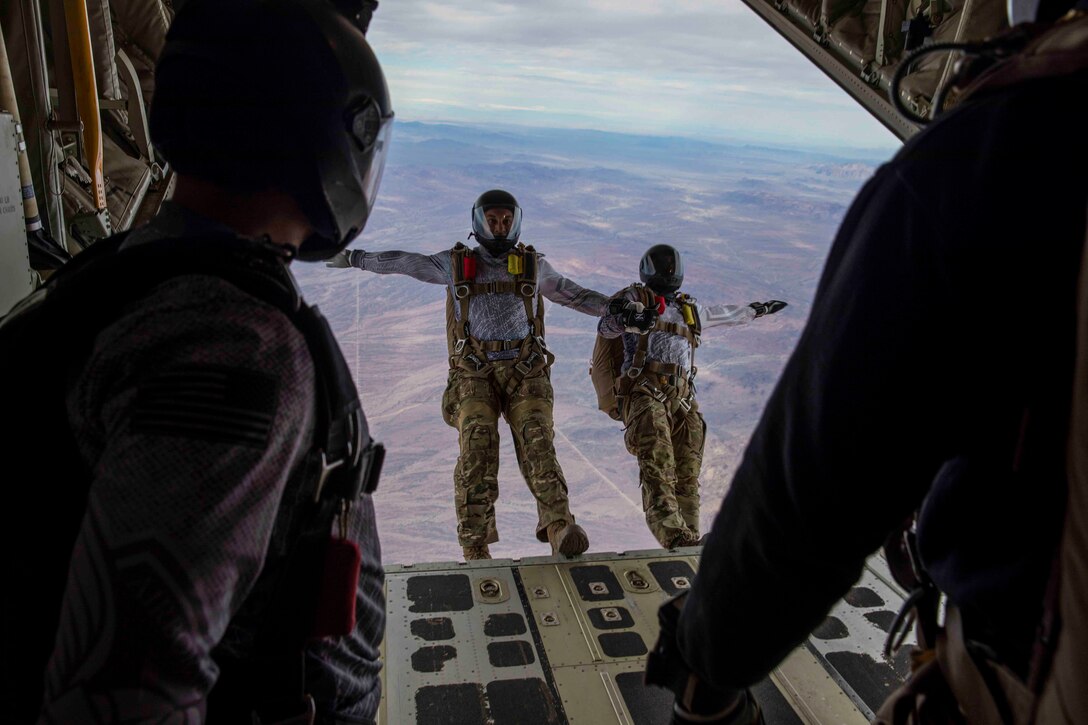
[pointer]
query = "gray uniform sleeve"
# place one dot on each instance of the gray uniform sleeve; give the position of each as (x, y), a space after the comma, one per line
(561, 290)
(433, 268)
(191, 412)
(716, 315)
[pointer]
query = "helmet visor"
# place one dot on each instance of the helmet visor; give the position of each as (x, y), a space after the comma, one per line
(481, 227)
(370, 134)
(663, 264)
(662, 269)
(350, 179)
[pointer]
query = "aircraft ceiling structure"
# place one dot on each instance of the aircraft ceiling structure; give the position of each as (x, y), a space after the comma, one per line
(860, 43)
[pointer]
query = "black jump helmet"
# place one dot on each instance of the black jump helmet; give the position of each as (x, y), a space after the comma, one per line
(276, 94)
(662, 269)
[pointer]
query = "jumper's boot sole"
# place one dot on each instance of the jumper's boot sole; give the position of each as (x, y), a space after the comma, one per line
(567, 539)
(473, 553)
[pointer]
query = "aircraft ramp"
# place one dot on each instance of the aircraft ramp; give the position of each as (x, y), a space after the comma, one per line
(546, 640)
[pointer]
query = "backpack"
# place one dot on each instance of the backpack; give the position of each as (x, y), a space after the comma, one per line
(606, 361)
(52, 329)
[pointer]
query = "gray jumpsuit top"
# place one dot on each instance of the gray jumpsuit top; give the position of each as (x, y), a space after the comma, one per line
(491, 316)
(666, 347)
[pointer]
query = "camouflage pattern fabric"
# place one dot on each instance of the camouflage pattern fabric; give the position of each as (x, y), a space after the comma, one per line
(472, 403)
(668, 442)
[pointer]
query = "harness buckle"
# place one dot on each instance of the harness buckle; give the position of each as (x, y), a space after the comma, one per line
(480, 365)
(525, 366)
(528, 289)
(654, 392)
(540, 341)
(459, 346)
(461, 291)
(633, 372)
(327, 467)
(685, 403)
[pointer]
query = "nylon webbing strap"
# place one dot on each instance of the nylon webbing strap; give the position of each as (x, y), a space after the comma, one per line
(500, 345)
(662, 368)
(522, 286)
(500, 287)
(676, 328)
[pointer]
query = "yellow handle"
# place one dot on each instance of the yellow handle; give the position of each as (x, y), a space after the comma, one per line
(515, 264)
(689, 315)
(79, 43)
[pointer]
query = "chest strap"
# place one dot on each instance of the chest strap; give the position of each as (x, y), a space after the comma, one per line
(471, 353)
(689, 332)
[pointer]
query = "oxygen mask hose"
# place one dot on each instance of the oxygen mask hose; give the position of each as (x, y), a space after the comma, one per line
(989, 51)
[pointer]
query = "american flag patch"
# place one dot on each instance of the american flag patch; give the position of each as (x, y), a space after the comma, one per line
(207, 402)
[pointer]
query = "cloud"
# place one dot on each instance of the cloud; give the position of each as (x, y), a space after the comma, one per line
(687, 67)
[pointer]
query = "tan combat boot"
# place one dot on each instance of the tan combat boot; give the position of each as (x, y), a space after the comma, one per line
(476, 552)
(567, 540)
(685, 538)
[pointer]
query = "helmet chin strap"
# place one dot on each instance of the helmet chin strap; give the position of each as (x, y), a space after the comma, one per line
(496, 247)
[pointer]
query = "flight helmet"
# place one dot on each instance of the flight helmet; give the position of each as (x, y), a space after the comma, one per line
(662, 269)
(495, 198)
(276, 94)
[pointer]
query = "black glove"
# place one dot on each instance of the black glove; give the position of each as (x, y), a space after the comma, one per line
(696, 701)
(767, 308)
(639, 319)
(617, 305)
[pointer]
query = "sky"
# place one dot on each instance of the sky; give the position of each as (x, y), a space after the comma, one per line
(707, 69)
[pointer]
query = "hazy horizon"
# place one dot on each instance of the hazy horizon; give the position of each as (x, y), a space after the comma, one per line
(702, 69)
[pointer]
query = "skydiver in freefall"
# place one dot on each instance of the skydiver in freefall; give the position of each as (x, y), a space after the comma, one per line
(499, 365)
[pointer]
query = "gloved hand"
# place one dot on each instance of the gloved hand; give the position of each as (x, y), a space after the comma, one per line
(767, 308)
(617, 305)
(343, 259)
(696, 701)
(639, 320)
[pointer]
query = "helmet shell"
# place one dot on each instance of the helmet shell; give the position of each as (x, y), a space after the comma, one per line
(662, 269)
(276, 94)
(482, 230)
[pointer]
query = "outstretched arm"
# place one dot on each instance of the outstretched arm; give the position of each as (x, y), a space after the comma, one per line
(433, 268)
(715, 315)
(558, 288)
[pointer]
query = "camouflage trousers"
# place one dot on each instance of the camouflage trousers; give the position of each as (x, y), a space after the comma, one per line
(472, 404)
(668, 442)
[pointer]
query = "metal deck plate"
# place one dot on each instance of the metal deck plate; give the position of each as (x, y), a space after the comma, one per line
(550, 640)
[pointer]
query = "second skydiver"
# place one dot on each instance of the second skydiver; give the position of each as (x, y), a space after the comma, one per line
(653, 390)
(499, 365)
